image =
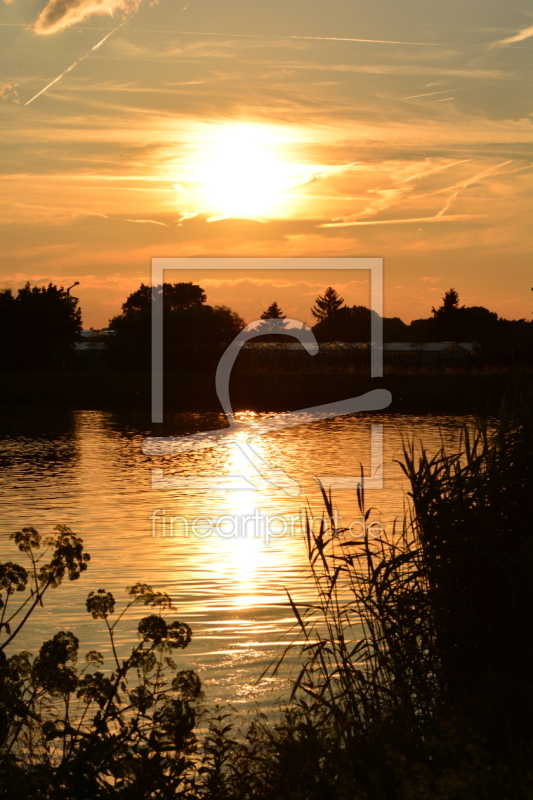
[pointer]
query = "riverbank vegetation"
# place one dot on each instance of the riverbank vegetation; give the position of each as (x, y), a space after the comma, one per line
(77, 732)
(197, 334)
(43, 326)
(415, 661)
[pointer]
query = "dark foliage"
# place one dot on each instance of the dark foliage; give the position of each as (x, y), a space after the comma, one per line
(176, 297)
(195, 334)
(416, 657)
(502, 341)
(471, 514)
(327, 305)
(273, 312)
(81, 733)
(39, 327)
(354, 325)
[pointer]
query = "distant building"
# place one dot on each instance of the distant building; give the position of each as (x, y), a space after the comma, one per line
(287, 356)
(324, 347)
(90, 352)
(344, 354)
(434, 354)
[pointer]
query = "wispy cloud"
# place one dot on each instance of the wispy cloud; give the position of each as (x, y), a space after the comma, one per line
(397, 196)
(61, 14)
(14, 212)
(525, 33)
(148, 222)
(437, 218)
(469, 182)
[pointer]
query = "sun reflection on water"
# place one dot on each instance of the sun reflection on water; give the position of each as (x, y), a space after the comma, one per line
(88, 472)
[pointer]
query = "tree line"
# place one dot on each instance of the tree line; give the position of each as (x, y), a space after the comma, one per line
(43, 324)
(501, 340)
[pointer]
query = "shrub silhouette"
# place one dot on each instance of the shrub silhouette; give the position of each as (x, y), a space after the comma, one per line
(69, 731)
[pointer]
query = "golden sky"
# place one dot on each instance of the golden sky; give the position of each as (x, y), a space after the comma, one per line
(398, 128)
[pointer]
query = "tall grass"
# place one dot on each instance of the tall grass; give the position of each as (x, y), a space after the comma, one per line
(416, 658)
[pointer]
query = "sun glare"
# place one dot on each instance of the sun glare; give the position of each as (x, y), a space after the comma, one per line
(238, 171)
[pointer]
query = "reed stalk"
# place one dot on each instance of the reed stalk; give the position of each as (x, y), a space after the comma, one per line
(417, 655)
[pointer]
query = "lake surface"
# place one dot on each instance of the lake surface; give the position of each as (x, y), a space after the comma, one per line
(228, 562)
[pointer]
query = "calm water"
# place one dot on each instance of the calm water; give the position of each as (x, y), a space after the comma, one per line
(85, 469)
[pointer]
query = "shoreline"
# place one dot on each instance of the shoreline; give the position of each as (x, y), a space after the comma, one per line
(417, 392)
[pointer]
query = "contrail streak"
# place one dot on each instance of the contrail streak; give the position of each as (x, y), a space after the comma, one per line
(100, 43)
(468, 182)
(289, 36)
(435, 170)
(276, 36)
(436, 218)
(526, 34)
(444, 91)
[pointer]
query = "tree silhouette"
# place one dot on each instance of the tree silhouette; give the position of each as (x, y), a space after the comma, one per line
(273, 312)
(452, 322)
(450, 303)
(42, 324)
(177, 297)
(194, 332)
(327, 305)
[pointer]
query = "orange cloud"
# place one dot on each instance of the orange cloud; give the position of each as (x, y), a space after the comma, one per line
(61, 14)
(8, 91)
(521, 36)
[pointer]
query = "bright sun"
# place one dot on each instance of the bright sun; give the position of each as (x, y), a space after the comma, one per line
(238, 172)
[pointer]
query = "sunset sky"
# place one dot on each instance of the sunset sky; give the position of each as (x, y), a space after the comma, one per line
(393, 128)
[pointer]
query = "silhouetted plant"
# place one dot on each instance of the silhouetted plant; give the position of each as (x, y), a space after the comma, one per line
(70, 732)
(473, 525)
(417, 656)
